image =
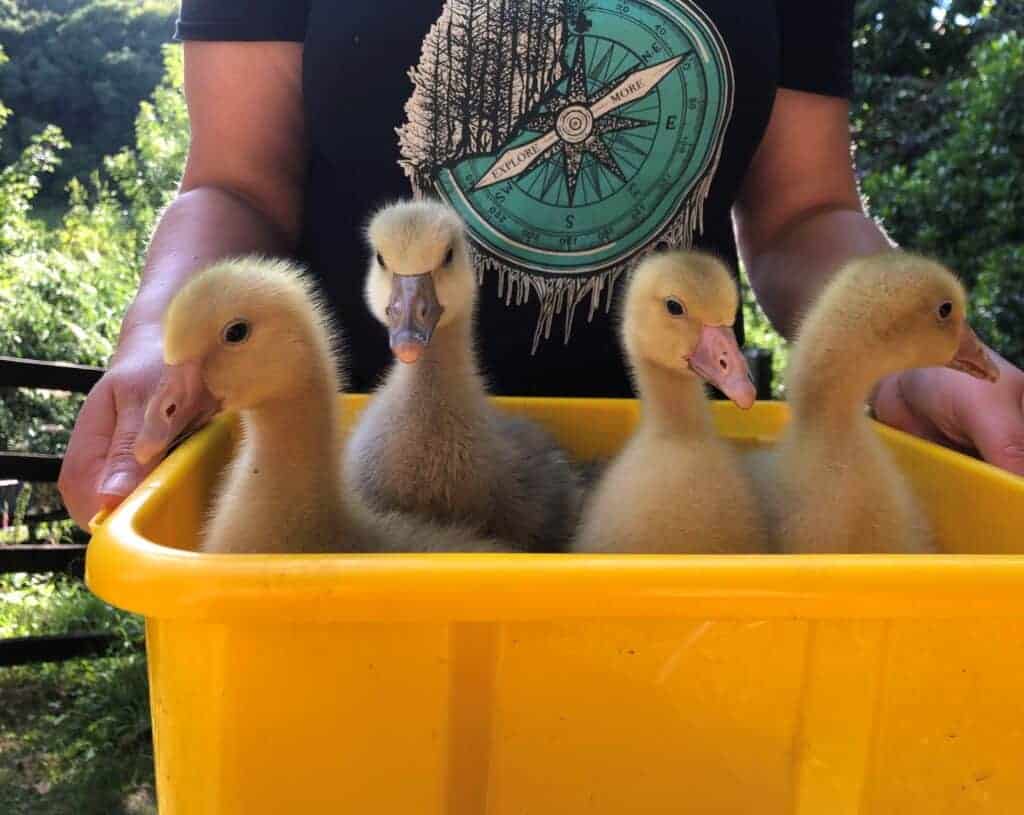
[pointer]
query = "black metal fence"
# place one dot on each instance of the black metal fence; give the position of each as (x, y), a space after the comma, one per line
(36, 556)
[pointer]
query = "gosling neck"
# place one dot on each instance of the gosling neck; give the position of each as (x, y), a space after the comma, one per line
(831, 376)
(674, 402)
(299, 434)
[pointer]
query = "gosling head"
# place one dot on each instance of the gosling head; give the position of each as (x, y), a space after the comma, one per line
(678, 314)
(421, 278)
(905, 311)
(238, 335)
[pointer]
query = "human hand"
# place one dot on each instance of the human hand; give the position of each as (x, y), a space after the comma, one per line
(100, 468)
(959, 411)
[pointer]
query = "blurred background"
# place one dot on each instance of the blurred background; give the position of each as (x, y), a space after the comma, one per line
(93, 134)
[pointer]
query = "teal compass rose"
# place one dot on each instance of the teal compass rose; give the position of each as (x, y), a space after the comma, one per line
(574, 125)
(619, 148)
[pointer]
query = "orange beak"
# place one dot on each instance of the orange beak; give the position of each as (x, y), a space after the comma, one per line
(180, 404)
(972, 358)
(717, 359)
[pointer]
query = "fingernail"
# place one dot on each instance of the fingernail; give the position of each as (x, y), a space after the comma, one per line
(118, 484)
(109, 503)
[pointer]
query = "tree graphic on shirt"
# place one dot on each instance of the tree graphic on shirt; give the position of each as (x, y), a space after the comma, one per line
(485, 64)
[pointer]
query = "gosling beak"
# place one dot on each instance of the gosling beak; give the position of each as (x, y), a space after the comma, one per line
(972, 358)
(413, 312)
(181, 403)
(718, 360)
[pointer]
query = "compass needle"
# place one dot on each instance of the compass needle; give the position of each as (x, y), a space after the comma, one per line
(634, 86)
(517, 160)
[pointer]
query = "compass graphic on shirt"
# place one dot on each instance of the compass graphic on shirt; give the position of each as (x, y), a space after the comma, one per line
(571, 137)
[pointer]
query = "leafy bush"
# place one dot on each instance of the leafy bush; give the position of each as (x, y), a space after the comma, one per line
(20, 181)
(148, 174)
(963, 200)
(83, 65)
(999, 300)
(63, 290)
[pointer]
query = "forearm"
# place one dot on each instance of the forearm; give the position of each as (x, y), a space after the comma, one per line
(790, 270)
(198, 228)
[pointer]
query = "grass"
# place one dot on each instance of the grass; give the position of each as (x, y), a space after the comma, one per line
(75, 737)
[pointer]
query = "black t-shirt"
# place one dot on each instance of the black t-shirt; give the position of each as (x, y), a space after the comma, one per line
(572, 136)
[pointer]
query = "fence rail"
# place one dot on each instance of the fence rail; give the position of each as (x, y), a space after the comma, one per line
(57, 376)
(56, 648)
(45, 558)
(38, 467)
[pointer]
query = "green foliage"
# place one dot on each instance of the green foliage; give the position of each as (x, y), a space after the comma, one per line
(998, 300)
(148, 175)
(83, 65)
(20, 179)
(63, 290)
(905, 53)
(963, 200)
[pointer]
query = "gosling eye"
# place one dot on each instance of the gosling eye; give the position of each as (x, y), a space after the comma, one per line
(380, 261)
(236, 332)
(449, 255)
(674, 307)
(945, 310)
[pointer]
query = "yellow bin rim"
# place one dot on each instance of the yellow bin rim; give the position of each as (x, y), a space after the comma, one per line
(132, 572)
